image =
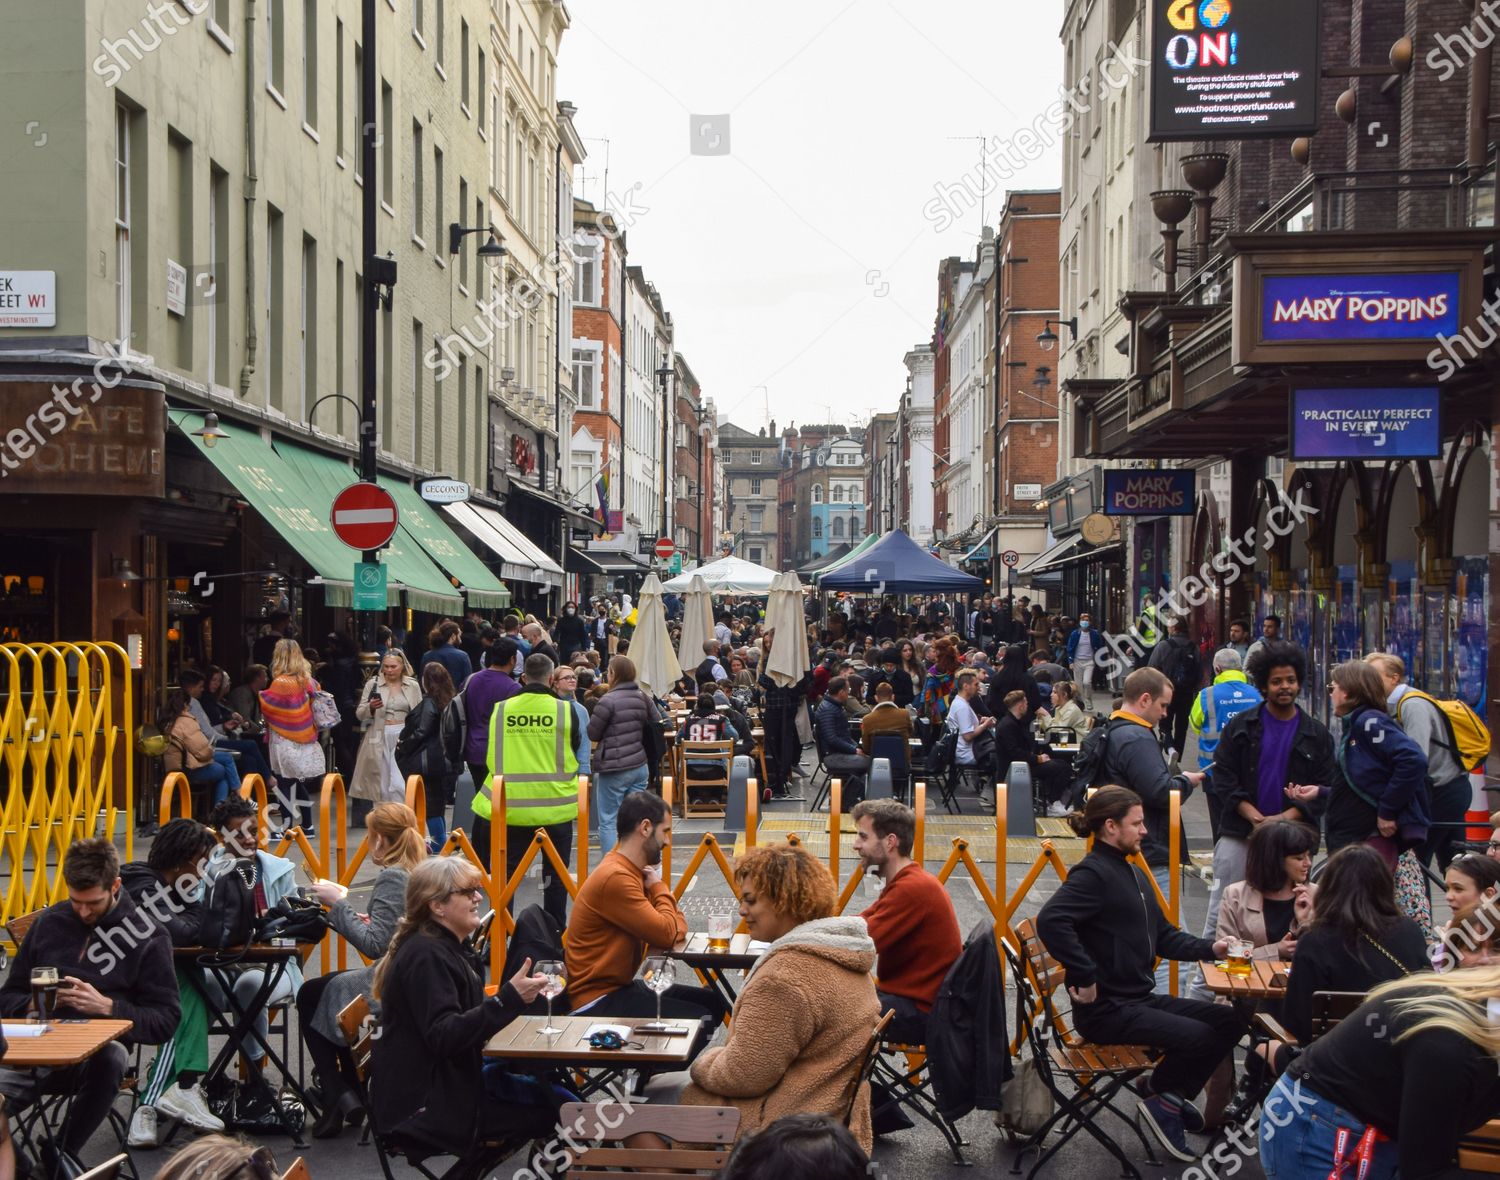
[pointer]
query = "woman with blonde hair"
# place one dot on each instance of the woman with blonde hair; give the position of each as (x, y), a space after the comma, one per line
(297, 757)
(1392, 1089)
(397, 843)
(804, 1016)
(430, 1084)
(383, 706)
(219, 1157)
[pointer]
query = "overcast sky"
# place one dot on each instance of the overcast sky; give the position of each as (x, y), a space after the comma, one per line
(802, 265)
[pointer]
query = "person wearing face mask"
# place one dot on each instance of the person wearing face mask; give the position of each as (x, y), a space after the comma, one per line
(107, 968)
(1083, 644)
(571, 634)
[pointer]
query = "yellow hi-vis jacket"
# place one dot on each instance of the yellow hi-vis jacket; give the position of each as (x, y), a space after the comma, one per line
(533, 736)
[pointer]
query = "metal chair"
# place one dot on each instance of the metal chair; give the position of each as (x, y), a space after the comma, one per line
(892, 747)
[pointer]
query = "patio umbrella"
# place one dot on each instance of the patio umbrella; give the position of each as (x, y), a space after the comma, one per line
(697, 623)
(788, 660)
(656, 664)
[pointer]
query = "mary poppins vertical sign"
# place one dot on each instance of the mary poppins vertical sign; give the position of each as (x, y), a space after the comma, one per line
(1233, 69)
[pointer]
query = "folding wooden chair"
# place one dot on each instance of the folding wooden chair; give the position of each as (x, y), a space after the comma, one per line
(701, 1137)
(867, 1064)
(297, 1171)
(715, 758)
(1097, 1073)
(1479, 1150)
(909, 1084)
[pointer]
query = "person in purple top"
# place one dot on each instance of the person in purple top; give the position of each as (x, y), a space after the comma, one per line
(1269, 764)
(485, 690)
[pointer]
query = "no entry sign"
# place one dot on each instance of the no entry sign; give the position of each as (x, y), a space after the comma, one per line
(364, 516)
(665, 548)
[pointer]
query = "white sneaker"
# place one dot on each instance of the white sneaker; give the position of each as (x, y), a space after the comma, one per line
(142, 1127)
(1058, 811)
(189, 1107)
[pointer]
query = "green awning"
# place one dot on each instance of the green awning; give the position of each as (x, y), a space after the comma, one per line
(427, 587)
(419, 518)
(870, 539)
(295, 508)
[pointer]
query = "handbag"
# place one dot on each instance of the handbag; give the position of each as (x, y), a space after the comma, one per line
(1025, 1103)
(229, 908)
(244, 1108)
(325, 711)
(652, 738)
(293, 917)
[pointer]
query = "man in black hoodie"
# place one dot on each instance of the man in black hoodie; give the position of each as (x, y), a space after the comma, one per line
(113, 962)
(1105, 927)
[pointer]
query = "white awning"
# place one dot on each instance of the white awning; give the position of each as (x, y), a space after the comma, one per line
(519, 558)
(983, 543)
(1042, 560)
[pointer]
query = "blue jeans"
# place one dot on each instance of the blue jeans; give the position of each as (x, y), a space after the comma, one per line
(1298, 1129)
(1163, 877)
(252, 757)
(610, 788)
(219, 776)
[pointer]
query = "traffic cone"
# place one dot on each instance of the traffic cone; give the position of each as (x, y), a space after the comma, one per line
(1478, 816)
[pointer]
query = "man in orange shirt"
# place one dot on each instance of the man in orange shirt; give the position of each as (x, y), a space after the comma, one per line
(912, 922)
(623, 908)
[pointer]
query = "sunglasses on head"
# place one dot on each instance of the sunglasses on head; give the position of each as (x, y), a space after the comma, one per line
(261, 1165)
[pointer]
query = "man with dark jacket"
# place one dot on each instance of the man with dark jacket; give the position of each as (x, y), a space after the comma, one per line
(783, 746)
(1177, 658)
(1106, 928)
(891, 672)
(841, 757)
(484, 691)
(166, 886)
(113, 962)
(445, 650)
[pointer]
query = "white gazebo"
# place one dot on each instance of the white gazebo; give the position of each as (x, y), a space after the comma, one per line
(728, 575)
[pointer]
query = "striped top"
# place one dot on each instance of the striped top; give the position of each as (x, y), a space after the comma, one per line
(287, 709)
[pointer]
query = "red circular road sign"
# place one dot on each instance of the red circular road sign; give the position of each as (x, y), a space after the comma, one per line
(665, 548)
(364, 516)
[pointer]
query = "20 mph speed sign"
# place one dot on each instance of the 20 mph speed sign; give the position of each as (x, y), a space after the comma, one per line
(364, 516)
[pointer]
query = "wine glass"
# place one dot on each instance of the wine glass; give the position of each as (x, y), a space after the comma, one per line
(659, 975)
(553, 971)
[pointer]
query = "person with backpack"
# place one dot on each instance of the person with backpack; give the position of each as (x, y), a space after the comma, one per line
(1177, 657)
(420, 748)
(1433, 726)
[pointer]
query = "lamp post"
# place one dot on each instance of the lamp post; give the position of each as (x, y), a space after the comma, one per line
(664, 376)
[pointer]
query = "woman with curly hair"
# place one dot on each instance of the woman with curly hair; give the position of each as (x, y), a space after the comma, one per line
(937, 689)
(801, 1024)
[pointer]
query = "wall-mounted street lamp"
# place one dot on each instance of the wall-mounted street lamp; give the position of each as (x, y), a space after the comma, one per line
(493, 251)
(1039, 382)
(210, 432)
(1047, 339)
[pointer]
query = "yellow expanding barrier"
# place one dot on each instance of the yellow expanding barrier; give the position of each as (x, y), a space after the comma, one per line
(63, 722)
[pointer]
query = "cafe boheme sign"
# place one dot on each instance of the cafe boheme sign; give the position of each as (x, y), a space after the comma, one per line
(54, 438)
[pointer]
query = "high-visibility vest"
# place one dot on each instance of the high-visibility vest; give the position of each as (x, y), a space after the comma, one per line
(531, 748)
(1222, 702)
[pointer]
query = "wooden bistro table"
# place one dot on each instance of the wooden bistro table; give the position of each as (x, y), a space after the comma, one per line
(66, 1043)
(1267, 980)
(714, 966)
(522, 1040)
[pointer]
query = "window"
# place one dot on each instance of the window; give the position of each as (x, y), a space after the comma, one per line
(817, 529)
(418, 19)
(497, 148)
(218, 256)
(221, 16)
(340, 338)
(586, 377)
(757, 518)
(273, 302)
(817, 494)
(853, 528)
(755, 457)
(338, 85)
(483, 90)
(308, 366)
(838, 493)
(755, 554)
(836, 529)
(440, 29)
(357, 145)
(438, 229)
(586, 273)
(463, 255)
(276, 39)
(310, 63)
(755, 487)
(122, 223)
(387, 129)
(419, 410)
(418, 209)
(463, 65)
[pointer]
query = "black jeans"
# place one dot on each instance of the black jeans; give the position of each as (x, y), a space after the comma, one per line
(93, 1084)
(517, 841)
(332, 1061)
(851, 770)
(909, 1024)
(1194, 1035)
(1450, 801)
(783, 749)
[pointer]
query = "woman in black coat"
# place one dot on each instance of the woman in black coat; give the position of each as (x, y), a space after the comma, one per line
(429, 1085)
(419, 750)
(571, 634)
(1014, 674)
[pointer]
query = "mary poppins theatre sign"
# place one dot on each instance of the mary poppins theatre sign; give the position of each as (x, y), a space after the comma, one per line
(1232, 69)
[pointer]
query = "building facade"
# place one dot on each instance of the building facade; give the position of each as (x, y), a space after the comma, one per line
(883, 473)
(752, 465)
(915, 437)
(693, 444)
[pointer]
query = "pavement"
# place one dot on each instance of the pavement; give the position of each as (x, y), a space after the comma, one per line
(916, 1154)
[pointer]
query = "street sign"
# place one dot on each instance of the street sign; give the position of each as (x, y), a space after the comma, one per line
(369, 586)
(665, 548)
(1011, 558)
(364, 516)
(674, 567)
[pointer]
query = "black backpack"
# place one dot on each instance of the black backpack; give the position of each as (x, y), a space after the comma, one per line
(1089, 762)
(229, 908)
(455, 729)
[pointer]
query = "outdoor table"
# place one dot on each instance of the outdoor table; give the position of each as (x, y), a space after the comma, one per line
(714, 965)
(1266, 981)
(238, 1024)
(66, 1043)
(522, 1040)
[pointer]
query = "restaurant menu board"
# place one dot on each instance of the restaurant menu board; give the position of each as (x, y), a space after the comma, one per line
(1233, 69)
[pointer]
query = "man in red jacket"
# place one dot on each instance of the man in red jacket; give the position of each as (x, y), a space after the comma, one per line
(912, 921)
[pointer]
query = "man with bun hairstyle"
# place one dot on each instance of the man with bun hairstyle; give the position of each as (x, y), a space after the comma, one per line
(1105, 927)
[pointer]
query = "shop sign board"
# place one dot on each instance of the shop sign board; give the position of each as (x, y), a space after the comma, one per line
(1233, 69)
(1139, 492)
(1336, 308)
(1400, 423)
(56, 437)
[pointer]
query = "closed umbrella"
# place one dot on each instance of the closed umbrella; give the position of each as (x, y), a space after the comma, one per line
(656, 664)
(697, 623)
(788, 659)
